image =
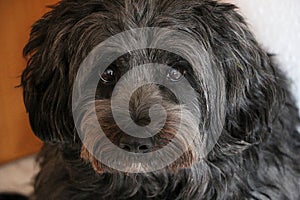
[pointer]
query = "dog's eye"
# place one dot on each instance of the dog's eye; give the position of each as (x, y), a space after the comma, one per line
(175, 73)
(108, 76)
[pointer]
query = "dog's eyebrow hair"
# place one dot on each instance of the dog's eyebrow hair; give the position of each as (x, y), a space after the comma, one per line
(152, 56)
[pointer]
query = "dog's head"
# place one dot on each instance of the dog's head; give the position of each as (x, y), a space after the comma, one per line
(213, 75)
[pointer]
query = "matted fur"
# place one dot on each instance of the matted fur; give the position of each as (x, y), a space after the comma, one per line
(257, 154)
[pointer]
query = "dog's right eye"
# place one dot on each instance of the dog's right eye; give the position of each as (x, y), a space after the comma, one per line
(175, 74)
(108, 76)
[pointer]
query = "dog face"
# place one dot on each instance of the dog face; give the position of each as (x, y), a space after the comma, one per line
(143, 110)
(64, 37)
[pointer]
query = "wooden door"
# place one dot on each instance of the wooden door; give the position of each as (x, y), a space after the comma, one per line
(16, 18)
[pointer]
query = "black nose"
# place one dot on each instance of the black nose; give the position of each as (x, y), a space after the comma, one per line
(136, 145)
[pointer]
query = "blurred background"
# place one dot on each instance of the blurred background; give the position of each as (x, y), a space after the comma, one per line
(276, 24)
(16, 138)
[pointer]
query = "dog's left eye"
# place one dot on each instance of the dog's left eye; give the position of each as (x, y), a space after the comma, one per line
(175, 73)
(108, 76)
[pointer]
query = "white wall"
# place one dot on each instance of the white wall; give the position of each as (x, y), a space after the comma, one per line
(276, 24)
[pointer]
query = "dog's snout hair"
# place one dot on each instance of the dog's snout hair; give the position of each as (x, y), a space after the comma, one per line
(141, 101)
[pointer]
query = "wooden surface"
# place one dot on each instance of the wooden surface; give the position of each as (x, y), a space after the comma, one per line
(16, 18)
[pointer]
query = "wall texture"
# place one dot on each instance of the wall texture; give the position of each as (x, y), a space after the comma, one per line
(17, 16)
(276, 24)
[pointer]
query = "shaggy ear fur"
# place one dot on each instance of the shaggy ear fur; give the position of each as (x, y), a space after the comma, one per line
(47, 79)
(46, 88)
(254, 86)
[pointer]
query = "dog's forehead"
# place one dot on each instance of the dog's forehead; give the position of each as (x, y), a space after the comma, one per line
(110, 18)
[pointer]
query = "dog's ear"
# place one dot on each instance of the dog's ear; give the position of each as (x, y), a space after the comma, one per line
(45, 83)
(254, 85)
(52, 64)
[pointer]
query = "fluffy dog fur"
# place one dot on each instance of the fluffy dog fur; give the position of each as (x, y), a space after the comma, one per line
(257, 154)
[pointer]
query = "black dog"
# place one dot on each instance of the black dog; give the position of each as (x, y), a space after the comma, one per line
(255, 154)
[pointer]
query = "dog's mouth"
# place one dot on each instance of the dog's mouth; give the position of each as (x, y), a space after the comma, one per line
(186, 160)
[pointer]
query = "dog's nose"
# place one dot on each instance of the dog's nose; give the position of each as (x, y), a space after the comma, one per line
(136, 145)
